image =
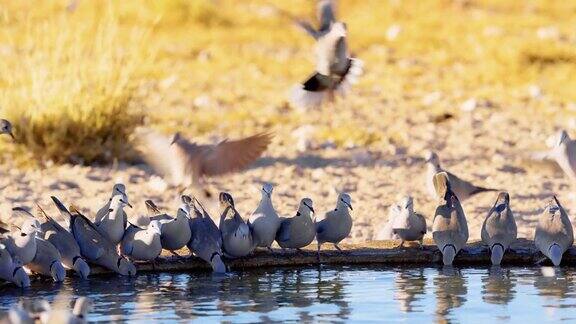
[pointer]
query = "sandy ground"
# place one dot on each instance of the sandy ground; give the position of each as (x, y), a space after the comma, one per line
(486, 146)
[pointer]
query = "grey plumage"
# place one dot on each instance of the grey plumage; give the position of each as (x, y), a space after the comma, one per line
(264, 221)
(463, 189)
(175, 230)
(406, 224)
(449, 229)
(64, 241)
(563, 153)
(336, 224)
(206, 242)
(112, 222)
(11, 270)
(20, 241)
(298, 231)
(336, 70)
(499, 228)
(236, 234)
(554, 234)
(184, 163)
(47, 261)
(142, 244)
(95, 247)
(78, 315)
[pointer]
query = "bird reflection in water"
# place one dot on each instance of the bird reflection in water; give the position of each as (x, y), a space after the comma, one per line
(498, 286)
(410, 284)
(450, 291)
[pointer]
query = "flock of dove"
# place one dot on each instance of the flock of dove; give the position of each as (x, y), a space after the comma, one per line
(114, 239)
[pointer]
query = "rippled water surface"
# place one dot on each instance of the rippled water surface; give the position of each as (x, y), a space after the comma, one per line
(323, 294)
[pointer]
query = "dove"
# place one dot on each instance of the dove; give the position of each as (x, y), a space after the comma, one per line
(264, 221)
(386, 231)
(95, 247)
(113, 223)
(64, 241)
(12, 271)
(21, 242)
(449, 229)
(405, 224)
(175, 231)
(65, 316)
(336, 224)
(298, 231)
(142, 244)
(563, 153)
(326, 17)
(554, 234)
(236, 234)
(206, 242)
(47, 261)
(183, 163)
(463, 189)
(6, 128)
(336, 71)
(499, 228)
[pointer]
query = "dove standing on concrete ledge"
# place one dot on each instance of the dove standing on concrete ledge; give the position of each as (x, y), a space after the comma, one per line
(64, 241)
(21, 242)
(183, 163)
(142, 244)
(112, 222)
(554, 234)
(48, 261)
(336, 224)
(298, 231)
(499, 228)
(265, 222)
(175, 231)
(463, 189)
(336, 71)
(206, 242)
(12, 271)
(236, 234)
(450, 229)
(94, 246)
(405, 224)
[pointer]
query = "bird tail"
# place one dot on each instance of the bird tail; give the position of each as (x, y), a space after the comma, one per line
(496, 253)
(555, 252)
(311, 93)
(350, 77)
(448, 254)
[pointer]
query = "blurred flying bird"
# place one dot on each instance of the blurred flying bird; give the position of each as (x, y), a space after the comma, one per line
(563, 153)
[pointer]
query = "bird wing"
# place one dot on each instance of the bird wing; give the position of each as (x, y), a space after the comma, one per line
(64, 212)
(51, 220)
(309, 29)
(233, 156)
(326, 14)
(156, 151)
(283, 233)
(87, 236)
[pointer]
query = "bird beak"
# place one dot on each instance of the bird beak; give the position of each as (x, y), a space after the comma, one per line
(311, 209)
(349, 206)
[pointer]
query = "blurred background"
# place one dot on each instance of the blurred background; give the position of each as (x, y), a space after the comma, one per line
(77, 76)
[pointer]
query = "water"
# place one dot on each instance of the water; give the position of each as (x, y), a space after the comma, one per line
(323, 294)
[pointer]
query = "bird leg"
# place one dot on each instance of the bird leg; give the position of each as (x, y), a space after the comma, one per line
(299, 250)
(401, 244)
(318, 252)
(181, 259)
(270, 249)
(421, 244)
(337, 247)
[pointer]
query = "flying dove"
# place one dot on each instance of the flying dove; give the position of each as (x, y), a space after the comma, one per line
(449, 229)
(336, 224)
(264, 221)
(404, 223)
(326, 17)
(499, 228)
(554, 234)
(11, 270)
(563, 153)
(94, 246)
(206, 242)
(463, 189)
(21, 240)
(175, 231)
(142, 244)
(184, 164)
(47, 261)
(236, 234)
(64, 241)
(298, 231)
